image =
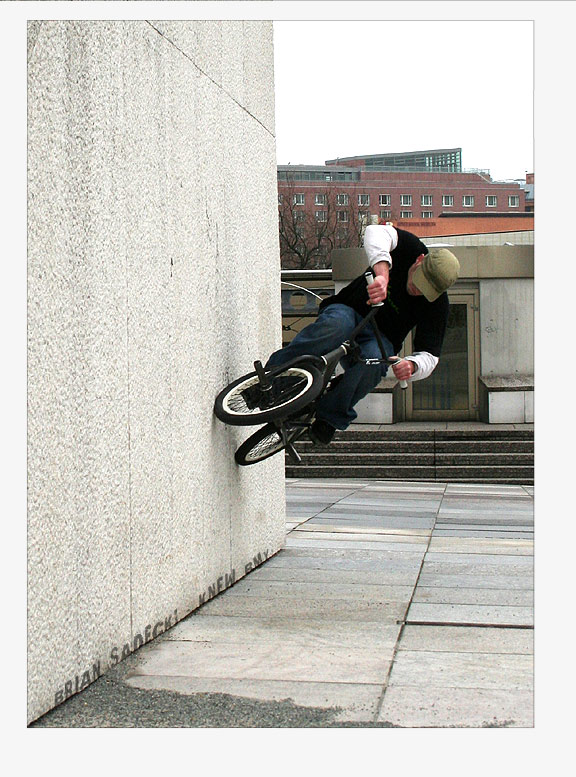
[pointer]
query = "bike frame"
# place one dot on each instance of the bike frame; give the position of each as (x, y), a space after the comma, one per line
(328, 363)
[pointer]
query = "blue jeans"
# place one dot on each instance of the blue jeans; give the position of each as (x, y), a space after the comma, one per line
(334, 325)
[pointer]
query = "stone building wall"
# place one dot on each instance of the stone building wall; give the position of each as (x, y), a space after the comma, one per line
(153, 280)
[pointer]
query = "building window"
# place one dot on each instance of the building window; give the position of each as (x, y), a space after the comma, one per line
(468, 200)
(385, 215)
(342, 199)
(447, 200)
(491, 201)
(405, 199)
(405, 214)
(427, 214)
(363, 217)
(299, 215)
(426, 199)
(384, 199)
(513, 201)
(321, 215)
(298, 199)
(280, 199)
(342, 215)
(320, 199)
(363, 200)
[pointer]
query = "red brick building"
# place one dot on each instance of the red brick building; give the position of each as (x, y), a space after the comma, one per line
(323, 207)
(392, 196)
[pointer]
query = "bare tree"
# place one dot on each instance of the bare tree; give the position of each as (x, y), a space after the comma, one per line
(309, 232)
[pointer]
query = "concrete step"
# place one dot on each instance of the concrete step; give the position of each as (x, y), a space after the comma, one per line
(330, 457)
(394, 447)
(504, 475)
(438, 435)
(484, 446)
(475, 455)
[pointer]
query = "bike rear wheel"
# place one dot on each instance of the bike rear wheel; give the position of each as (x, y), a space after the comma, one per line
(265, 443)
(243, 403)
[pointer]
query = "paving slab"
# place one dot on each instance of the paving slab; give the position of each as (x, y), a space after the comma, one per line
(306, 633)
(337, 483)
(337, 574)
(421, 707)
(316, 561)
(469, 595)
(505, 547)
(335, 609)
(475, 518)
(392, 518)
(501, 671)
(356, 528)
(258, 661)
(467, 639)
(507, 564)
(378, 501)
(324, 493)
(490, 615)
(524, 582)
(414, 488)
(313, 590)
(304, 540)
(491, 532)
(377, 554)
(494, 516)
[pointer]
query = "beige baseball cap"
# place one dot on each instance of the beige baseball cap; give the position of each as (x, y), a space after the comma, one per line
(436, 273)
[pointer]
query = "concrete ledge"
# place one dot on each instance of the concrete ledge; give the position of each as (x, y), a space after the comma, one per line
(508, 382)
(506, 398)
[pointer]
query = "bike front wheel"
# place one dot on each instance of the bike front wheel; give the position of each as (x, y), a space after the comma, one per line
(265, 443)
(244, 403)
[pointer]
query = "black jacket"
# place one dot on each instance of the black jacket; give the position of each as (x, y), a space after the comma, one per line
(401, 311)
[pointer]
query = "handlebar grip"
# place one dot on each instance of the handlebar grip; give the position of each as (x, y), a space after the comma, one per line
(403, 383)
(369, 275)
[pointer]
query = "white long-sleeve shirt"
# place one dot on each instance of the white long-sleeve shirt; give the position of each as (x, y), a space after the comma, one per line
(379, 241)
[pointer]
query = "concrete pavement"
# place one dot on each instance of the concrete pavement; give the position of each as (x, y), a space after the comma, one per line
(394, 604)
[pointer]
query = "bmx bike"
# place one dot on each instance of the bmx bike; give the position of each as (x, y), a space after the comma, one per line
(284, 398)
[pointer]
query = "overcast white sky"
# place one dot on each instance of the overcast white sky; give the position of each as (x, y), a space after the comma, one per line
(348, 88)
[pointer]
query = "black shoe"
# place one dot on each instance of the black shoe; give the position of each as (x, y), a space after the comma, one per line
(321, 432)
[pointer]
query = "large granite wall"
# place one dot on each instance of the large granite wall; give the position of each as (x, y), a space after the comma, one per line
(154, 277)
